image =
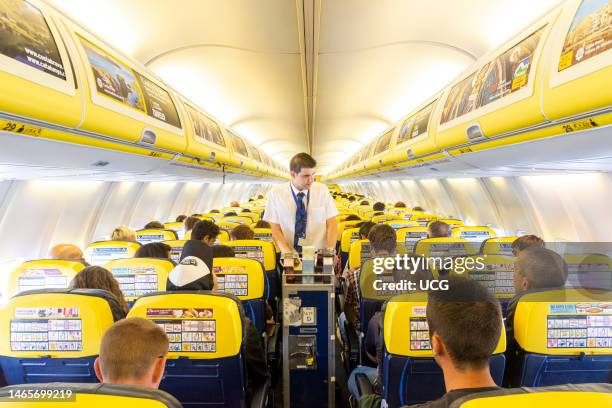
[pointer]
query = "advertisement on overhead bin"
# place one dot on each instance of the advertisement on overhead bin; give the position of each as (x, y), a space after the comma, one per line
(589, 34)
(206, 130)
(504, 75)
(26, 37)
(158, 102)
(113, 79)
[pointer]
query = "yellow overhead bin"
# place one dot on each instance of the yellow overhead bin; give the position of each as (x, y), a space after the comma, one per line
(382, 150)
(578, 76)
(240, 153)
(123, 100)
(36, 73)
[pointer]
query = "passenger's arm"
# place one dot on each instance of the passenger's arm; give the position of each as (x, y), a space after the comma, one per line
(332, 232)
(256, 365)
(279, 238)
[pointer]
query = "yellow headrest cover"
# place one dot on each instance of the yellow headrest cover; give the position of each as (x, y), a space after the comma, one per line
(344, 225)
(43, 274)
(444, 247)
(214, 217)
(227, 226)
(54, 324)
(451, 222)
(564, 322)
(495, 272)
(154, 235)
(359, 251)
(379, 219)
(411, 234)
(199, 326)
(174, 226)
(139, 276)
(265, 234)
(261, 251)
(474, 234)
(422, 218)
(243, 278)
(399, 223)
(405, 319)
(101, 252)
(223, 236)
(349, 236)
(176, 246)
(498, 246)
(236, 219)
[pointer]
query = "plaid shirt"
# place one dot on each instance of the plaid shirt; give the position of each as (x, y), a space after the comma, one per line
(352, 293)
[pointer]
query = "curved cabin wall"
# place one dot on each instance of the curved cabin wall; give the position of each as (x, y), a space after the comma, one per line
(551, 79)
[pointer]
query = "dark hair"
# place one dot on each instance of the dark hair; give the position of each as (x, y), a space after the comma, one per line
(153, 250)
(438, 229)
(417, 208)
(97, 277)
(351, 199)
(251, 200)
(230, 214)
(400, 204)
(262, 224)
(375, 213)
(190, 222)
(468, 319)
(300, 161)
(259, 197)
(382, 237)
(203, 229)
(525, 242)
(246, 210)
(365, 227)
(352, 217)
(378, 206)
(181, 218)
(541, 267)
(364, 202)
(223, 251)
(242, 231)
(154, 225)
(214, 211)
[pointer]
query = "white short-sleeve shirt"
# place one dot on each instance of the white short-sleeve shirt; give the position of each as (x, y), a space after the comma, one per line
(281, 208)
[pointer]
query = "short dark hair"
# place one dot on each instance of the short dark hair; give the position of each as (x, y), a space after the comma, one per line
(351, 199)
(154, 225)
(223, 251)
(246, 210)
(365, 227)
(203, 229)
(378, 206)
(382, 237)
(190, 222)
(262, 224)
(417, 208)
(400, 204)
(260, 196)
(364, 202)
(468, 319)
(438, 229)
(352, 217)
(181, 218)
(541, 267)
(242, 231)
(525, 242)
(215, 211)
(302, 161)
(153, 250)
(230, 214)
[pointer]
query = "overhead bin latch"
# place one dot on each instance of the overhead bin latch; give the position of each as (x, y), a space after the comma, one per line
(474, 132)
(410, 154)
(148, 136)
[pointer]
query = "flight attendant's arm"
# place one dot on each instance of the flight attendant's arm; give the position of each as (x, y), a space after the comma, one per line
(332, 232)
(279, 238)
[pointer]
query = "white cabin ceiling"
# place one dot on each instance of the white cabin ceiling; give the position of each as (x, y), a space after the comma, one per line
(277, 70)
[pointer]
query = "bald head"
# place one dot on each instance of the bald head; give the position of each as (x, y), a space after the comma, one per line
(66, 251)
(538, 268)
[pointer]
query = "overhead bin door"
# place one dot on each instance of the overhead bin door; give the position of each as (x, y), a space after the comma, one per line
(207, 139)
(36, 73)
(240, 150)
(579, 77)
(124, 102)
(416, 135)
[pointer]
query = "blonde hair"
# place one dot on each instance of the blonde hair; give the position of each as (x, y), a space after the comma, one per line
(123, 233)
(130, 347)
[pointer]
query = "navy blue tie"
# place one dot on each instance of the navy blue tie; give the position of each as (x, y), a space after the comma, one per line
(301, 217)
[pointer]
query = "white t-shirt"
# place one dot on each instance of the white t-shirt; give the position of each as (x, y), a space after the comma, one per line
(320, 206)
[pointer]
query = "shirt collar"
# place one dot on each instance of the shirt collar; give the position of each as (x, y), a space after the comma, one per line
(296, 191)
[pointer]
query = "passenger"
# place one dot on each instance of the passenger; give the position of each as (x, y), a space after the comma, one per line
(123, 233)
(382, 239)
(154, 250)
(465, 324)
(203, 236)
(223, 251)
(230, 214)
(378, 206)
(214, 211)
(364, 229)
(364, 202)
(181, 218)
(194, 273)
(245, 210)
(190, 222)
(525, 242)
(241, 232)
(260, 197)
(154, 225)
(418, 208)
(235, 204)
(438, 229)
(400, 204)
(251, 200)
(96, 277)
(535, 268)
(132, 352)
(66, 251)
(351, 199)
(352, 217)
(262, 224)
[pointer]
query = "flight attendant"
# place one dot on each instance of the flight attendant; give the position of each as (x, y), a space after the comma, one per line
(302, 212)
